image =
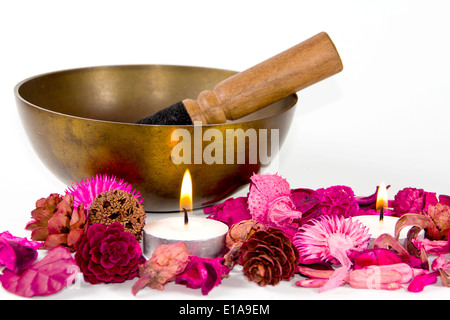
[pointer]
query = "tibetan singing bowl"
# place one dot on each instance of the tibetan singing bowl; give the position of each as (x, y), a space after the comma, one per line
(81, 123)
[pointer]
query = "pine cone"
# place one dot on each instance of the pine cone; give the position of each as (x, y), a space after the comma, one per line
(118, 206)
(268, 257)
(56, 222)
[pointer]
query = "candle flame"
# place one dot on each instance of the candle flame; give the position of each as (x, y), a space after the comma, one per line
(186, 192)
(382, 197)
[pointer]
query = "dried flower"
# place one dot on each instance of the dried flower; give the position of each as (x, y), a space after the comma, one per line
(57, 222)
(45, 277)
(307, 202)
(45, 209)
(108, 254)
(331, 238)
(387, 277)
(166, 263)
(270, 202)
(230, 212)
(16, 253)
(268, 257)
(327, 238)
(236, 236)
(241, 231)
(118, 206)
(440, 215)
(86, 191)
(203, 273)
(412, 200)
(338, 201)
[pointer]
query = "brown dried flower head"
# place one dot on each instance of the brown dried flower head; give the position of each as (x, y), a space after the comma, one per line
(118, 206)
(56, 222)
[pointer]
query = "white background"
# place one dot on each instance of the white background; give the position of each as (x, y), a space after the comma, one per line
(384, 118)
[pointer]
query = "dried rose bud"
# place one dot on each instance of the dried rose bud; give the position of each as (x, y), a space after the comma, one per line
(241, 231)
(236, 236)
(167, 262)
(440, 215)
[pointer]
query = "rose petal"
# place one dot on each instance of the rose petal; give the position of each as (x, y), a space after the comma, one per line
(230, 212)
(375, 256)
(45, 277)
(203, 273)
(419, 282)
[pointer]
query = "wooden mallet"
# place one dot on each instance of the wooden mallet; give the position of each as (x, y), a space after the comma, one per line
(308, 62)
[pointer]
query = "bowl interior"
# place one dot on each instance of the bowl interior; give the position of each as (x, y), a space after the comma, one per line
(81, 122)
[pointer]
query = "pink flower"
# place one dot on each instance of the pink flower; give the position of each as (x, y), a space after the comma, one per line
(16, 253)
(412, 200)
(338, 201)
(270, 201)
(333, 239)
(203, 273)
(86, 191)
(328, 237)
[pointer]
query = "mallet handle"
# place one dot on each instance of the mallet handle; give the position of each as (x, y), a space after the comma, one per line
(306, 63)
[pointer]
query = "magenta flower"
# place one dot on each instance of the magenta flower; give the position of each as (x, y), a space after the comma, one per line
(338, 201)
(412, 200)
(108, 254)
(203, 273)
(86, 191)
(331, 239)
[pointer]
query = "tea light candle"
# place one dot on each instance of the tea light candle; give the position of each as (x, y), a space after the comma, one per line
(377, 227)
(203, 237)
(380, 224)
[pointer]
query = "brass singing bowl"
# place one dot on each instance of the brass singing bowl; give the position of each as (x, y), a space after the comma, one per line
(80, 122)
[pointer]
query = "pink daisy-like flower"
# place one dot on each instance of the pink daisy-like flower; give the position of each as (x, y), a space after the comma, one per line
(86, 191)
(332, 239)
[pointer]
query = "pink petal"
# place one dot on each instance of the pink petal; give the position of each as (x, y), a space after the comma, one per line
(45, 277)
(419, 282)
(203, 273)
(16, 253)
(337, 279)
(377, 256)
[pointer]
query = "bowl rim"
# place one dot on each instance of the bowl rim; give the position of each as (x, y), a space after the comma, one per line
(21, 98)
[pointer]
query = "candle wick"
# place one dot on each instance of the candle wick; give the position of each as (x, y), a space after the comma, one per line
(186, 218)
(381, 213)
